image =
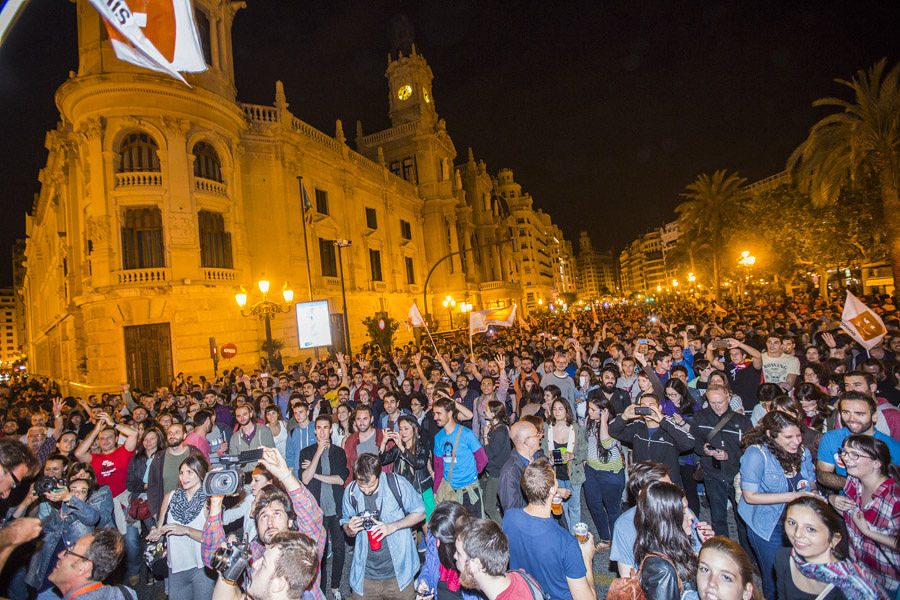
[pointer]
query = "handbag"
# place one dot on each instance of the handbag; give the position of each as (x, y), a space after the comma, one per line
(156, 556)
(139, 509)
(698, 473)
(629, 588)
(446, 492)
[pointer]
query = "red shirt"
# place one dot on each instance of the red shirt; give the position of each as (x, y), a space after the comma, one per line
(517, 590)
(112, 469)
(199, 442)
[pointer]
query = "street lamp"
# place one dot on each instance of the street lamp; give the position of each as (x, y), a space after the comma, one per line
(747, 260)
(265, 309)
(449, 303)
(343, 244)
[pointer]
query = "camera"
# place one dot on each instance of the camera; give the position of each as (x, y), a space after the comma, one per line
(368, 518)
(643, 411)
(46, 483)
(231, 560)
(229, 478)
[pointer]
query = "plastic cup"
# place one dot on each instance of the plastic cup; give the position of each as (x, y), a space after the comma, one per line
(556, 506)
(581, 532)
(374, 544)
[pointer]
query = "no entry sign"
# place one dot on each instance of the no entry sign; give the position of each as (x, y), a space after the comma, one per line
(229, 350)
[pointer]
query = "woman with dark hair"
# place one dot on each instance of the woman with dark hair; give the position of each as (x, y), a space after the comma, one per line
(439, 576)
(725, 572)
(775, 469)
(662, 549)
(815, 403)
(792, 406)
(816, 374)
(184, 515)
(410, 455)
(871, 507)
(498, 449)
(275, 423)
(812, 568)
(604, 470)
(100, 496)
(343, 424)
(532, 397)
(585, 381)
(565, 445)
(151, 442)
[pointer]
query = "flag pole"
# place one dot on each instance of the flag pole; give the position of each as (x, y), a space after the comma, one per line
(303, 199)
(433, 345)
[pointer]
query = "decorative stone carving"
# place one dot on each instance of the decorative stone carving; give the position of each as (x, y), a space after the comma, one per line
(182, 229)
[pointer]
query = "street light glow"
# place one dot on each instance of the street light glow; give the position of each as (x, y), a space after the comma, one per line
(241, 298)
(263, 286)
(286, 293)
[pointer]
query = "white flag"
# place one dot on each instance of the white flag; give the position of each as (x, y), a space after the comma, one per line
(415, 317)
(862, 323)
(480, 320)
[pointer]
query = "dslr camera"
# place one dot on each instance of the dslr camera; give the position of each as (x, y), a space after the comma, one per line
(46, 483)
(231, 560)
(368, 518)
(228, 478)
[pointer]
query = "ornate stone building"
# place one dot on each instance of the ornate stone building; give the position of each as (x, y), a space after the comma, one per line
(160, 201)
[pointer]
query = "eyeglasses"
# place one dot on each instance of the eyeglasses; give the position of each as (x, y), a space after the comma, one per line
(16, 481)
(68, 550)
(853, 455)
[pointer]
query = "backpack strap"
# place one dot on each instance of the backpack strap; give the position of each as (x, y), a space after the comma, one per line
(127, 593)
(395, 489)
(353, 502)
(533, 586)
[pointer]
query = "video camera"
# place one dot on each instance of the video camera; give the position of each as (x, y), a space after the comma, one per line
(228, 478)
(46, 483)
(231, 560)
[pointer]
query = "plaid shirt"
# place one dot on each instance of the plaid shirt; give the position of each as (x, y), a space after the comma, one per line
(883, 515)
(309, 522)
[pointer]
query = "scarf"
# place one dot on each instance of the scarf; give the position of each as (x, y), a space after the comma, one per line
(184, 511)
(852, 579)
(740, 367)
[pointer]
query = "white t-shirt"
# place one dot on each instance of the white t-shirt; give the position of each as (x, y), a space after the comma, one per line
(776, 370)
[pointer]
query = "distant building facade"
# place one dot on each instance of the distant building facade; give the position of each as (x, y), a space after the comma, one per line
(159, 202)
(9, 340)
(596, 271)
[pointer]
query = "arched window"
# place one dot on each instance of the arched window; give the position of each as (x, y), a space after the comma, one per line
(138, 152)
(206, 162)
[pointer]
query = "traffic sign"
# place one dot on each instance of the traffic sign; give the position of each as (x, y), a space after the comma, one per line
(229, 350)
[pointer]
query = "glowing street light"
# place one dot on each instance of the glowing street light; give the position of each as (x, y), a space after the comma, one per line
(691, 277)
(265, 309)
(674, 283)
(449, 303)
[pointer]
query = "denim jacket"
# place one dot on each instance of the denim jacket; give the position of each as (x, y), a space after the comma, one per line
(762, 473)
(79, 520)
(400, 543)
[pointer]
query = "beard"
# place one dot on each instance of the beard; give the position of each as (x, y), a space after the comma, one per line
(174, 443)
(467, 578)
(609, 388)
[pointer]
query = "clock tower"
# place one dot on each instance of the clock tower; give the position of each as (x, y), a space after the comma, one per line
(409, 89)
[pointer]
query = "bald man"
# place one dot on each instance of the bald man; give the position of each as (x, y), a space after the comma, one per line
(526, 439)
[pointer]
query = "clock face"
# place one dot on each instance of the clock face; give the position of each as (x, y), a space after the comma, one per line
(426, 95)
(404, 92)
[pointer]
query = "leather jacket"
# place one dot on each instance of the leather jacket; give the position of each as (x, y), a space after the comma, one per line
(411, 466)
(659, 579)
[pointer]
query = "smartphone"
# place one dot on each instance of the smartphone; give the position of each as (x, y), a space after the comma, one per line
(643, 411)
(643, 341)
(557, 456)
(720, 344)
(250, 455)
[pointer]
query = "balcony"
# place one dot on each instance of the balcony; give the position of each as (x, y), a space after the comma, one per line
(379, 286)
(210, 186)
(492, 285)
(155, 276)
(138, 179)
(219, 275)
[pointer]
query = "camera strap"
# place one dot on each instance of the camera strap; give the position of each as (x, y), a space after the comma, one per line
(719, 426)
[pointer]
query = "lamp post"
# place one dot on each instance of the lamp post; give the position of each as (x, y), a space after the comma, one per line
(343, 244)
(747, 260)
(265, 309)
(449, 303)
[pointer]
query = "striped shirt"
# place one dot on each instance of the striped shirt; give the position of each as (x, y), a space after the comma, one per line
(613, 463)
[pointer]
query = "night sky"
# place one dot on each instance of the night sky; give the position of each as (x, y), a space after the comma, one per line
(604, 110)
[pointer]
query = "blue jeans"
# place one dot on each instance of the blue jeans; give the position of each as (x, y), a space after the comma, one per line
(765, 550)
(603, 493)
(572, 505)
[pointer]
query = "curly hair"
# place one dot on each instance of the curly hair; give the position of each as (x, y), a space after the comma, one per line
(770, 426)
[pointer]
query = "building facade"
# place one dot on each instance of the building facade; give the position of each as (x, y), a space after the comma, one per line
(596, 271)
(10, 350)
(160, 201)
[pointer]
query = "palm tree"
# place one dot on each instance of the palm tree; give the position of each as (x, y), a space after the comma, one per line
(863, 139)
(705, 215)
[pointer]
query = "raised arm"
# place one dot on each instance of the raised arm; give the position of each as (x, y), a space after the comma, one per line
(83, 451)
(58, 421)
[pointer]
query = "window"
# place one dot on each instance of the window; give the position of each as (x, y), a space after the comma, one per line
(142, 239)
(371, 218)
(405, 230)
(375, 264)
(395, 168)
(206, 162)
(321, 202)
(203, 27)
(215, 243)
(328, 258)
(410, 271)
(409, 170)
(138, 153)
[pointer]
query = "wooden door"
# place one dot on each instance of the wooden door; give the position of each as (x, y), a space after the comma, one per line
(148, 356)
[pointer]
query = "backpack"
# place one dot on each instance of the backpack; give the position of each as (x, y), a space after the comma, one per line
(536, 592)
(392, 484)
(629, 588)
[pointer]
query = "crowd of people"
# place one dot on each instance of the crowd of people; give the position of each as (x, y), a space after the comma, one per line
(452, 471)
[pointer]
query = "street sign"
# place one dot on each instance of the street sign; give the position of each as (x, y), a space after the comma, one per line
(229, 350)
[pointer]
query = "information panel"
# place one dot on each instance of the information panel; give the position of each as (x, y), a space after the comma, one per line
(313, 324)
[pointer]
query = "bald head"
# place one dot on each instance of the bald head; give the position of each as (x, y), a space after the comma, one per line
(525, 438)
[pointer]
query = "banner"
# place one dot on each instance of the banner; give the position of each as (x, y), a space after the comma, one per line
(862, 323)
(415, 317)
(159, 35)
(480, 320)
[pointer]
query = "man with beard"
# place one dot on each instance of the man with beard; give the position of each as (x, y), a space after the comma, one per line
(482, 552)
(528, 372)
(366, 438)
(285, 571)
(859, 413)
(250, 435)
(275, 512)
(458, 459)
(163, 473)
(627, 381)
(617, 396)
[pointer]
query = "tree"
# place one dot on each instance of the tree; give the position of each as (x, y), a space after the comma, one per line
(863, 139)
(705, 215)
(384, 338)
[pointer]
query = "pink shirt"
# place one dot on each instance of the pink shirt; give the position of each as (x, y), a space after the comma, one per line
(199, 442)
